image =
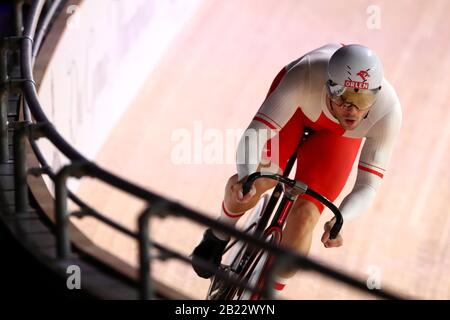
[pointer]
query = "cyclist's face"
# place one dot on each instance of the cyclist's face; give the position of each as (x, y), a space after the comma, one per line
(348, 114)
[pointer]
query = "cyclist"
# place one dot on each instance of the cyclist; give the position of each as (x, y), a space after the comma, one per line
(338, 91)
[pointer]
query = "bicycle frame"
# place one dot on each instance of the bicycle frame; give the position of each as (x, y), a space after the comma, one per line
(279, 188)
(278, 220)
(274, 229)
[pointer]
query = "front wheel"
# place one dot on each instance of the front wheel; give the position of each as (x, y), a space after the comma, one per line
(256, 272)
(220, 289)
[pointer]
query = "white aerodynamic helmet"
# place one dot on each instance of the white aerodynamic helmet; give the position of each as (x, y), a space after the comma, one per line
(354, 66)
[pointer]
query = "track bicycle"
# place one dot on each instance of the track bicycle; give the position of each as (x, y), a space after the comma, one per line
(266, 221)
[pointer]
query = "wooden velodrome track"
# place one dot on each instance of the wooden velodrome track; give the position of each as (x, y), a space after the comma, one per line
(215, 76)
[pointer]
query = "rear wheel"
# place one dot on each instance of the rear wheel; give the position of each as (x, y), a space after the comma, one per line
(235, 256)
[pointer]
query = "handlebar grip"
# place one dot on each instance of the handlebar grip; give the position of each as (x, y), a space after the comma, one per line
(336, 229)
(248, 183)
(246, 187)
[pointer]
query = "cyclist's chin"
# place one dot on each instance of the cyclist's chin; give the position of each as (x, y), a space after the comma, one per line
(349, 124)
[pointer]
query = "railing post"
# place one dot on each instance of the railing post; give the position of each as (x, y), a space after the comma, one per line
(22, 130)
(62, 236)
(144, 256)
(76, 169)
(20, 167)
(18, 17)
(4, 96)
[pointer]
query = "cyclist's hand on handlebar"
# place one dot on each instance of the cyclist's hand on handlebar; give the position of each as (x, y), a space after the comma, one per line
(326, 236)
(237, 192)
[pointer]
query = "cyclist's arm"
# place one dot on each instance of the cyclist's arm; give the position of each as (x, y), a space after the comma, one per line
(271, 117)
(374, 159)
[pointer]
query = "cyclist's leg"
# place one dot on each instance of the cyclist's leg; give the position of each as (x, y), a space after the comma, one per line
(300, 225)
(324, 163)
